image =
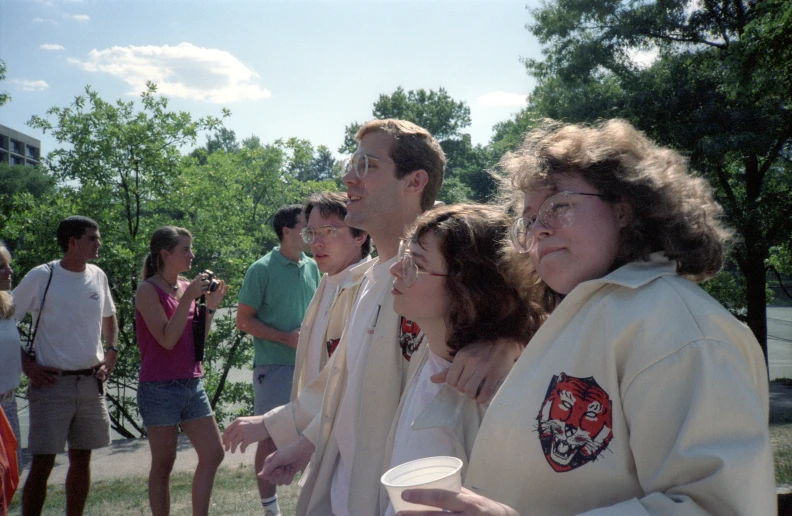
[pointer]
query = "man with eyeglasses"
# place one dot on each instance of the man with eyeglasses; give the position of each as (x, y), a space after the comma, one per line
(273, 299)
(337, 248)
(395, 175)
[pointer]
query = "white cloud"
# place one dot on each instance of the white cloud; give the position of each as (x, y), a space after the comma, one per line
(502, 99)
(78, 17)
(44, 20)
(183, 71)
(27, 85)
(51, 46)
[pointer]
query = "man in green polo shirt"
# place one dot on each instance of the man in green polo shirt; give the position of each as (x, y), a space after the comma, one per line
(272, 303)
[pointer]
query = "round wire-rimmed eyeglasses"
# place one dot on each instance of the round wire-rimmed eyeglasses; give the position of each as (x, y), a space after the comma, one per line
(409, 269)
(359, 164)
(555, 213)
(326, 232)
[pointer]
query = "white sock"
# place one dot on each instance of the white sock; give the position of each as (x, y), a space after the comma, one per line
(270, 506)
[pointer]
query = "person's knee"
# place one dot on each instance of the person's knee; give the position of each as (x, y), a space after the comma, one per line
(79, 458)
(163, 463)
(266, 446)
(213, 456)
(41, 465)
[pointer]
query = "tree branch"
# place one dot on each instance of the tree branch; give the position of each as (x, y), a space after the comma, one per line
(780, 282)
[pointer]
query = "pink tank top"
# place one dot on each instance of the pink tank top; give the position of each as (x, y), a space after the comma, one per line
(158, 363)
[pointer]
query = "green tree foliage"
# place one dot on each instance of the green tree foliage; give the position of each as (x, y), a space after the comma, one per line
(466, 177)
(121, 165)
(711, 79)
(18, 179)
(4, 96)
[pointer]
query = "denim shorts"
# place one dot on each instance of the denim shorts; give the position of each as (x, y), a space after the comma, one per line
(272, 385)
(170, 402)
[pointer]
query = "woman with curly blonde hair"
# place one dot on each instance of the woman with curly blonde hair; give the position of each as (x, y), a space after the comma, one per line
(640, 394)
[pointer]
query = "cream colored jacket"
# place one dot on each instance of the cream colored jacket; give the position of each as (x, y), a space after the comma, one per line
(288, 422)
(640, 395)
(385, 376)
(343, 297)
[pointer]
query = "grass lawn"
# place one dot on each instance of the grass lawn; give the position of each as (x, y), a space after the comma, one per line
(234, 493)
(781, 435)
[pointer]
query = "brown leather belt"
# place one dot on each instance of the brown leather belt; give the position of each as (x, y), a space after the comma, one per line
(78, 372)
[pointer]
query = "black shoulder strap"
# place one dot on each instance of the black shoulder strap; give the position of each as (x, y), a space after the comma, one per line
(51, 267)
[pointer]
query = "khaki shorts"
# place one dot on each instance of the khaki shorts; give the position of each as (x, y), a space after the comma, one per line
(71, 409)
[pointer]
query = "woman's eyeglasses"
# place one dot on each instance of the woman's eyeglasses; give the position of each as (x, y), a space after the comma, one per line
(555, 213)
(409, 269)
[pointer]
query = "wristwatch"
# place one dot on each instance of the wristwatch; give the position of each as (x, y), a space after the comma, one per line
(112, 348)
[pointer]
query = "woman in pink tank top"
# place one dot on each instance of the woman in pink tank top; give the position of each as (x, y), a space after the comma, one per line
(170, 391)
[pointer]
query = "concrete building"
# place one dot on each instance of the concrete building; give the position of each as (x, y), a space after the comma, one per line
(17, 148)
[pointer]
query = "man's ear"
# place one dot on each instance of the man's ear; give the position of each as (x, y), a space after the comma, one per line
(361, 238)
(417, 180)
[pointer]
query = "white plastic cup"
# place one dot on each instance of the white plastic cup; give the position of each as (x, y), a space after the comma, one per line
(429, 473)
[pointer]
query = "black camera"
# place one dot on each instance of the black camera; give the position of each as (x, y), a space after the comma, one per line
(213, 283)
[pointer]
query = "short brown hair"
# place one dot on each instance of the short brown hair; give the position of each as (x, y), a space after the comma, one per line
(486, 300)
(415, 149)
(334, 203)
(672, 210)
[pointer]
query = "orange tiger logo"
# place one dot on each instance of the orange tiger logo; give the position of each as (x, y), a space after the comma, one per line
(575, 422)
(332, 344)
(410, 337)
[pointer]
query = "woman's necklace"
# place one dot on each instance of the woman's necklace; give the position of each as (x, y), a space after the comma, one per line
(174, 287)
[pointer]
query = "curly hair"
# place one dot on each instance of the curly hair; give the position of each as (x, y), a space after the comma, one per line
(486, 301)
(672, 210)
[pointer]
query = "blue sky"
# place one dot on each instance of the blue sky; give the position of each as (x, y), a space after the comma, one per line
(298, 68)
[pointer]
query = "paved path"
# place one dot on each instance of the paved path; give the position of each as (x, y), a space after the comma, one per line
(131, 458)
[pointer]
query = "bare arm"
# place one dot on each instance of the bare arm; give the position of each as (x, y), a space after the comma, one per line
(247, 322)
(110, 334)
(38, 375)
(166, 331)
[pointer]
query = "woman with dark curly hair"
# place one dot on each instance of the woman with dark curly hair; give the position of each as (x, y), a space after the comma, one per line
(452, 279)
(640, 394)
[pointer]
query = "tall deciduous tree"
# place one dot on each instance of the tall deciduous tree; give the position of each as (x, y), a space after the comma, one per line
(711, 79)
(119, 165)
